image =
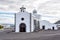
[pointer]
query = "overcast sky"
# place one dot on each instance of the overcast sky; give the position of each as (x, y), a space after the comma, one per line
(48, 9)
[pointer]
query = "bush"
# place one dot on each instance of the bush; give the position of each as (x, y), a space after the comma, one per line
(1, 26)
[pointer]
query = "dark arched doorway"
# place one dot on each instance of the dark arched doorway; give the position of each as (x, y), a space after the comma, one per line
(53, 28)
(43, 27)
(22, 27)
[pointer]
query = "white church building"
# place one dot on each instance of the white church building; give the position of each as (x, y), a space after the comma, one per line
(30, 22)
(46, 25)
(27, 22)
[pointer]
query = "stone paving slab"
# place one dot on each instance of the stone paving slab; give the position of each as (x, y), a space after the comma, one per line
(42, 35)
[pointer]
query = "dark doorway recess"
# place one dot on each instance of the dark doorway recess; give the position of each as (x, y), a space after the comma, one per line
(43, 27)
(22, 27)
(53, 28)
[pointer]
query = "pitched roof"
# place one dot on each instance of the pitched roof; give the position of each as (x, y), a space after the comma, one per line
(58, 22)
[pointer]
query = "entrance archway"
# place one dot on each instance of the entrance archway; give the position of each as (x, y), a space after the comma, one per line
(53, 28)
(43, 27)
(22, 27)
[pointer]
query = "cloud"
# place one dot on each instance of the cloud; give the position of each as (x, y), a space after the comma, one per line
(52, 20)
(49, 9)
(14, 5)
(7, 18)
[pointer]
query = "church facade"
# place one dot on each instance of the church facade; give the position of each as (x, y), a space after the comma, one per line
(30, 22)
(27, 22)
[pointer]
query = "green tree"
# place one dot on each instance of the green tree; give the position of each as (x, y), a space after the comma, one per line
(1, 26)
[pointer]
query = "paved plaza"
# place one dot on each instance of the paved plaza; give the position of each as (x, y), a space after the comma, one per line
(41, 35)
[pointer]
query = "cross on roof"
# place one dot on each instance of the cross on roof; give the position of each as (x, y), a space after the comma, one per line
(22, 9)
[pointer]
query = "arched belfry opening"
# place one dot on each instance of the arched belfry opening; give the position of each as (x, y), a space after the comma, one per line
(22, 27)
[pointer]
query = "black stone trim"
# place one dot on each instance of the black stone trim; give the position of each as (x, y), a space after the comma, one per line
(15, 22)
(30, 22)
(39, 24)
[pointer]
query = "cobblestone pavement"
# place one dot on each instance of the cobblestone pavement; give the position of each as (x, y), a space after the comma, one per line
(41, 35)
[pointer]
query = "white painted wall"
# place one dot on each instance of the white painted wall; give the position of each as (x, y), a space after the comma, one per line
(47, 25)
(32, 23)
(26, 17)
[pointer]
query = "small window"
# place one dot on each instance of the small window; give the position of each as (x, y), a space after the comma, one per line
(22, 19)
